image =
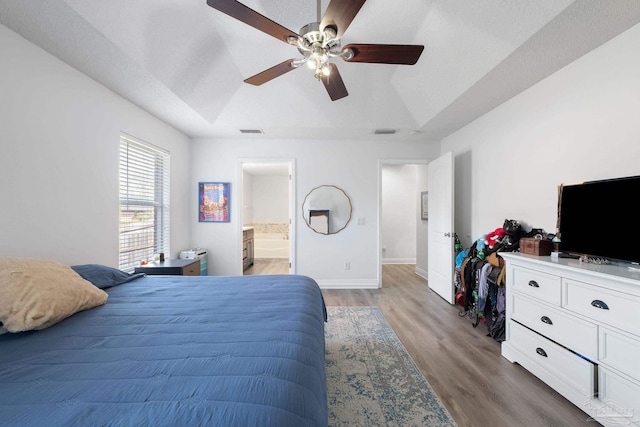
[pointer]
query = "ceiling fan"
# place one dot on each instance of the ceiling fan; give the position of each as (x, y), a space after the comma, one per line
(318, 42)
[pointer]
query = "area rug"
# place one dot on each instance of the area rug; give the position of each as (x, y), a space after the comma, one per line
(371, 379)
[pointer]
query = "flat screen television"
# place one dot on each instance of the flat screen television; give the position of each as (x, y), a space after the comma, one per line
(598, 219)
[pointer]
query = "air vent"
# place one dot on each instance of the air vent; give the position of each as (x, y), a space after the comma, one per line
(251, 131)
(384, 131)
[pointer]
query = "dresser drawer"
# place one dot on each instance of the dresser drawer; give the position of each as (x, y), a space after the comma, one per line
(545, 355)
(603, 305)
(620, 351)
(578, 335)
(191, 269)
(619, 395)
(545, 287)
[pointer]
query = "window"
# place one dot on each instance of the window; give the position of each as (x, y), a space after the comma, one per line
(144, 202)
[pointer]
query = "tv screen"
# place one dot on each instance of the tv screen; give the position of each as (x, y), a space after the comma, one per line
(598, 218)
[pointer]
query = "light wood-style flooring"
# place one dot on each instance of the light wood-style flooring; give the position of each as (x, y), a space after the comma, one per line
(464, 367)
(263, 266)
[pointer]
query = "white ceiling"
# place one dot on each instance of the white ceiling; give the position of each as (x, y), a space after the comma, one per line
(185, 62)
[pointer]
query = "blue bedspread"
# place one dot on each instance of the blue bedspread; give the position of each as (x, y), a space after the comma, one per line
(175, 351)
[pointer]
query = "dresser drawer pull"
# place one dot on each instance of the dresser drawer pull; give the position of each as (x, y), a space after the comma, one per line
(600, 304)
(541, 352)
(545, 319)
(533, 284)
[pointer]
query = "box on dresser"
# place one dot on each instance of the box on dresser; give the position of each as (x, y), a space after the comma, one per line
(539, 247)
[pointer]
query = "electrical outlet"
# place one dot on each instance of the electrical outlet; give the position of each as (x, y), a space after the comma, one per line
(347, 265)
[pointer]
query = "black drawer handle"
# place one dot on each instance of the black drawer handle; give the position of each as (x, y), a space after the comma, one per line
(546, 320)
(533, 284)
(541, 352)
(600, 304)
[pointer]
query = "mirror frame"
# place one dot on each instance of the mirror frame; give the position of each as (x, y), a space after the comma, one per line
(306, 221)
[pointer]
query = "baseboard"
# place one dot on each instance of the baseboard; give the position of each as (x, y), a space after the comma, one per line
(398, 260)
(348, 284)
(422, 273)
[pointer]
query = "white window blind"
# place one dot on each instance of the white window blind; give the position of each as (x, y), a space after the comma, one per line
(144, 202)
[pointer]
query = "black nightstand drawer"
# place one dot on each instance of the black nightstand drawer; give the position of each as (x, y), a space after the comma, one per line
(172, 267)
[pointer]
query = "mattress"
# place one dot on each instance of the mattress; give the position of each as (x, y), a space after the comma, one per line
(172, 351)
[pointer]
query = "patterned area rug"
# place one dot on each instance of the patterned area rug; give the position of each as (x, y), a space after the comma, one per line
(371, 379)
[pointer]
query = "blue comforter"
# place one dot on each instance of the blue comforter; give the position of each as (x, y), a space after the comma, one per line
(175, 351)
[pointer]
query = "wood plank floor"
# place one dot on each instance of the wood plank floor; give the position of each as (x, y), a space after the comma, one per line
(268, 266)
(477, 385)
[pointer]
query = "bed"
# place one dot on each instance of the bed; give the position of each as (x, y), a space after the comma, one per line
(174, 350)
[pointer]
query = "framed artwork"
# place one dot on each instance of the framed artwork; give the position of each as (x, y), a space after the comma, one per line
(213, 201)
(424, 206)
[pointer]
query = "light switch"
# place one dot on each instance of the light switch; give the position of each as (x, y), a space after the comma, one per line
(360, 220)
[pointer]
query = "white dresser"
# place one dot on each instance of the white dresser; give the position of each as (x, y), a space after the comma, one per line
(576, 326)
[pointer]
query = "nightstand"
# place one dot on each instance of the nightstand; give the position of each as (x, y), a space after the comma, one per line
(172, 267)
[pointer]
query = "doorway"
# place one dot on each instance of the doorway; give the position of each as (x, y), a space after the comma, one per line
(267, 205)
(403, 233)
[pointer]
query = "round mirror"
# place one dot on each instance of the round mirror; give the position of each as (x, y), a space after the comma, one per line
(326, 209)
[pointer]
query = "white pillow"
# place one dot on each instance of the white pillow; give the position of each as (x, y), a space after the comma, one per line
(38, 293)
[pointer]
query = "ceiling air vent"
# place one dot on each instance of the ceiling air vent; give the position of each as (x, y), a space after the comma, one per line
(251, 131)
(384, 131)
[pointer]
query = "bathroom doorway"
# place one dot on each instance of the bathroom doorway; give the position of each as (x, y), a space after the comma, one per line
(267, 206)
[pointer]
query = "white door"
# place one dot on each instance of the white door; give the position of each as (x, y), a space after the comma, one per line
(440, 226)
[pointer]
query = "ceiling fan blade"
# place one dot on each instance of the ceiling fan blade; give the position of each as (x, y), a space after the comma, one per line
(334, 84)
(340, 13)
(271, 73)
(251, 17)
(385, 53)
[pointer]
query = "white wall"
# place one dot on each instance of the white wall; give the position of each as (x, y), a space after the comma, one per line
(581, 123)
(59, 149)
(352, 167)
(270, 198)
(399, 184)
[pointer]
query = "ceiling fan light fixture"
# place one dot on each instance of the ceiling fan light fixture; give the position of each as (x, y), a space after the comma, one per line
(318, 42)
(346, 54)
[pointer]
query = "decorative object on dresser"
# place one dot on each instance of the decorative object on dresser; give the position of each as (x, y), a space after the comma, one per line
(197, 253)
(172, 267)
(539, 247)
(574, 325)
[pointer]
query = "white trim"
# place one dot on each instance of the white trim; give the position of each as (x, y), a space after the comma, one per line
(348, 284)
(422, 273)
